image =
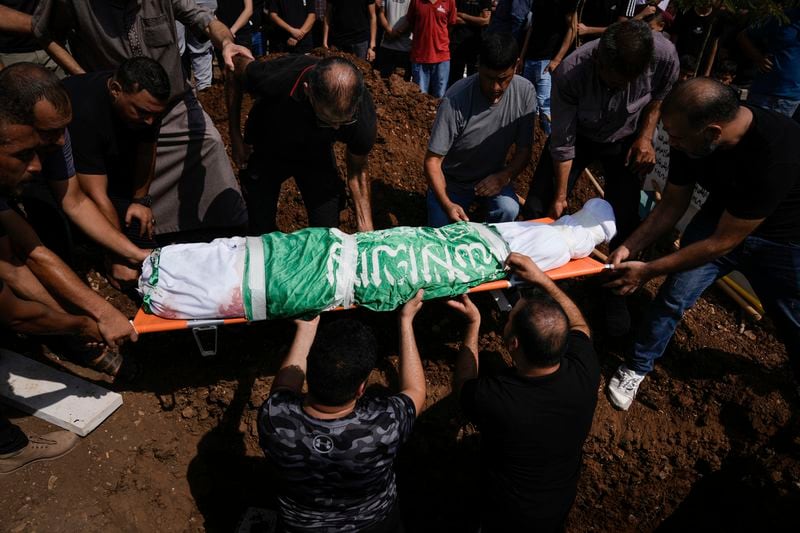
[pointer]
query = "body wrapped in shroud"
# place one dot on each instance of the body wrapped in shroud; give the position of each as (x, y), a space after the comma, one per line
(280, 275)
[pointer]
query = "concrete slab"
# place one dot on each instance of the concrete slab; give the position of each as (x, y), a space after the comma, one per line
(62, 399)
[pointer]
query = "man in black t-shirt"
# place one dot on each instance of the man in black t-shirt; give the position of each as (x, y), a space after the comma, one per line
(56, 192)
(294, 20)
(472, 16)
(351, 26)
(746, 157)
(303, 106)
(115, 123)
(534, 417)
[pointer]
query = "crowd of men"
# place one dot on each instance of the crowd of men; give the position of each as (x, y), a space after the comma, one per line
(103, 139)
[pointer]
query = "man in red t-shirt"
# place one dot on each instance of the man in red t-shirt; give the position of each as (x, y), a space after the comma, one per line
(429, 20)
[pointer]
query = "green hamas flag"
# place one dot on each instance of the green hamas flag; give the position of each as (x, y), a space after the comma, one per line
(315, 269)
(291, 274)
(394, 264)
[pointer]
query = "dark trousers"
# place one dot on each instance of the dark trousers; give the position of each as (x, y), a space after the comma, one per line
(11, 437)
(389, 60)
(622, 187)
(463, 56)
(316, 176)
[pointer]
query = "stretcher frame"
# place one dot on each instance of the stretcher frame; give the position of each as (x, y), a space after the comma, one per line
(145, 323)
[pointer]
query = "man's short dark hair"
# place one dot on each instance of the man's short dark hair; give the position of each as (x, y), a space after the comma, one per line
(499, 51)
(24, 84)
(541, 326)
(337, 84)
(702, 101)
(10, 115)
(627, 47)
(341, 358)
(143, 74)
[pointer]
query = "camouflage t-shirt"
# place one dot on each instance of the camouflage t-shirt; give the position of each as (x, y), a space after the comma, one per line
(335, 475)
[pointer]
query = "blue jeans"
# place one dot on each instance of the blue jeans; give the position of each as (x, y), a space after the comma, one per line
(773, 269)
(431, 77)
(501, 208)
(534, 72)
(784, 106)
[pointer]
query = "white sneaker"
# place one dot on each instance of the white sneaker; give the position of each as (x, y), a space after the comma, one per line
(623, 386)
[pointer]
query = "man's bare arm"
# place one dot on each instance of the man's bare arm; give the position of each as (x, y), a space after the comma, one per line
(13, 21)
(641, 157)
(244, 17)
(84, 213)
(467, 359)
(19, 277)
(661, 219)
(524, 268)
(59, 279)
(412, 376)
(234, 90)
(37, 319)
(223, 40)
(292, 373)
(96, 188)
(361, 188)
(438, 184)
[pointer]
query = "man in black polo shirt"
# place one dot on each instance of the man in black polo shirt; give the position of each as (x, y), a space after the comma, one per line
(115, 125)
(746, 157)
(303, 105)
(534, 417)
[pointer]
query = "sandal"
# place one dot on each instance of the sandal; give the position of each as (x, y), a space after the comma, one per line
(108, 362)
(91, 354)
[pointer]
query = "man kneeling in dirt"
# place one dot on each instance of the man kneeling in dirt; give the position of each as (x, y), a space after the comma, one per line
(480, 117)
(333, 448)
(534, 417)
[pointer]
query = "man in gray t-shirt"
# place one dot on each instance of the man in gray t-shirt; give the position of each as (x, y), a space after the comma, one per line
(478, 120)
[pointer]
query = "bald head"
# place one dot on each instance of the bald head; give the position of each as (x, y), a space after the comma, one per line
(336, 87)
(541, 327)
(701, 101)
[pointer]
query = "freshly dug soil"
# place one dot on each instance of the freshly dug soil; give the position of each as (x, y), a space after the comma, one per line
(711, 443)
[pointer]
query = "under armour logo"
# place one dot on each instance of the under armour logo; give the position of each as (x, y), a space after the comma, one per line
(322, 443)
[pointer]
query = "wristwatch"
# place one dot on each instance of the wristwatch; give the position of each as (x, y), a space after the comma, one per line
(145, 200)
